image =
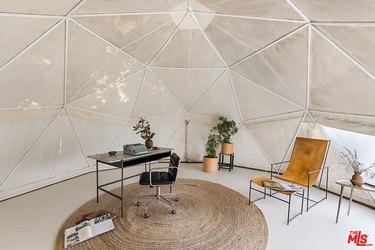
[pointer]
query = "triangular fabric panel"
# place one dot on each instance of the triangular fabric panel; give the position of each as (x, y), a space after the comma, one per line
(337, 84)
(257, 8)
(255, 102)
(126, 136)
(19, 130)
(188, 48)
(179, 140)
(130, 32)
(288, 60)
(13, 41)
(42, 72)
(354, 123)
(93, 63)
(308, 126)
(281, 68)
(218, 101)
(275, 134)
(247, 35)
(337, 10)
(56, 153)
(46, 7)
(247, 151)
(165, 126)
(359, 44)
(130, 6)
(116, 99)
(95, 131)
(187, 85)
(197, 132)
(154, 94)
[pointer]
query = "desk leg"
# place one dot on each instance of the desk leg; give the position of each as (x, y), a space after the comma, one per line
(350, 199)
(122, 191)
(97, 182)
(338, 208)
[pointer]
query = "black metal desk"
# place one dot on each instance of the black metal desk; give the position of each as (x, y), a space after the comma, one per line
(121, 160)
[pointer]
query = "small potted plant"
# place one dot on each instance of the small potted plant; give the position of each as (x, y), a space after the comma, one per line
(226, 129)
(210, 160)
(357, 167)
(143, 127)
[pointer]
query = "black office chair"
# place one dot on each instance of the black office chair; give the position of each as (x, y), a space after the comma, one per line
(160, 178)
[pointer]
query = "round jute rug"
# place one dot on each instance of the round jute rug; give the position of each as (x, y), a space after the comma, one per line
(209, 216)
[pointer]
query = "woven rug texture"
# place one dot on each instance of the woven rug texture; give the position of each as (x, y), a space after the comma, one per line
(209, 216)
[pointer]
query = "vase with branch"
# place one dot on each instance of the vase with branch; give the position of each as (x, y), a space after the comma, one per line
(143, 128)
(357, 167)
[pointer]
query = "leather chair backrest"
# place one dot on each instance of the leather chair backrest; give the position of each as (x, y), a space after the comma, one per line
(308, 155)
(174, 162)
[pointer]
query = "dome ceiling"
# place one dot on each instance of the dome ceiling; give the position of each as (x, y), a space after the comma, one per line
(76, 74)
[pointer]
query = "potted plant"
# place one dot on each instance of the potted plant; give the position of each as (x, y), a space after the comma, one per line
(226, 129)
(143, 127)
(210, 160)
(357, 167)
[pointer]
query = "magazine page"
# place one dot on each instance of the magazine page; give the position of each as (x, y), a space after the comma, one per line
(101, 224)
(78, 234)
(290, 187)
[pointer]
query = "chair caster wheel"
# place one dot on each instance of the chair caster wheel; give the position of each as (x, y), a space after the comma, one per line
(146, 215)
(138, 204)
(177, 199)
(173, 211)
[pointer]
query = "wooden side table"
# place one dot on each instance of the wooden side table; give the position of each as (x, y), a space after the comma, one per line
(346, 183)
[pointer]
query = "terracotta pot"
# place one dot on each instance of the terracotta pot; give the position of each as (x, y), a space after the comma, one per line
(149, 143)
(227, 148)
(210, 164)
(357, 179)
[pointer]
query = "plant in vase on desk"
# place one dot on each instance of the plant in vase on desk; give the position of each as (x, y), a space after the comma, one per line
(226, 129)
(357, 167)
(210, 160)
(144, 129)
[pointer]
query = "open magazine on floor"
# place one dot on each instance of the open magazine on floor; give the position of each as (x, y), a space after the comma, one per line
(98, 223)
(274, 185)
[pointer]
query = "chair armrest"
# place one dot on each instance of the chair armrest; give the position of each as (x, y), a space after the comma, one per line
(318, 170)
(272, 167)
(275, 163)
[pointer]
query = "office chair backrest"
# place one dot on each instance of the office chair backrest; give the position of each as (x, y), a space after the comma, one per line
(174, 162)
(308, 155)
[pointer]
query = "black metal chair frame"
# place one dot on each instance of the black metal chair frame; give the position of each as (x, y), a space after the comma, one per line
(272, 194)
(324, 168)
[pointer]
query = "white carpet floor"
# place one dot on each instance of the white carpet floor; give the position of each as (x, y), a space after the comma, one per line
(31, 221)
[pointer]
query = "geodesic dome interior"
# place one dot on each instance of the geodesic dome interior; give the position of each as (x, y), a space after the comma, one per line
(75, 76)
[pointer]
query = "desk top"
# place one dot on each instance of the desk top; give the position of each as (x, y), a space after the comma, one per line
(347, 183)
(120, 156)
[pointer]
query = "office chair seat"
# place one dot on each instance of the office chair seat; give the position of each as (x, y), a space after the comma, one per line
(157, 178)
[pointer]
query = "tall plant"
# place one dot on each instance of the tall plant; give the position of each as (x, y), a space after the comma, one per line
(211, 145)
(226, 129)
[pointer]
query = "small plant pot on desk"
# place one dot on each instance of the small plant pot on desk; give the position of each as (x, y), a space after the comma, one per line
(210, 164)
